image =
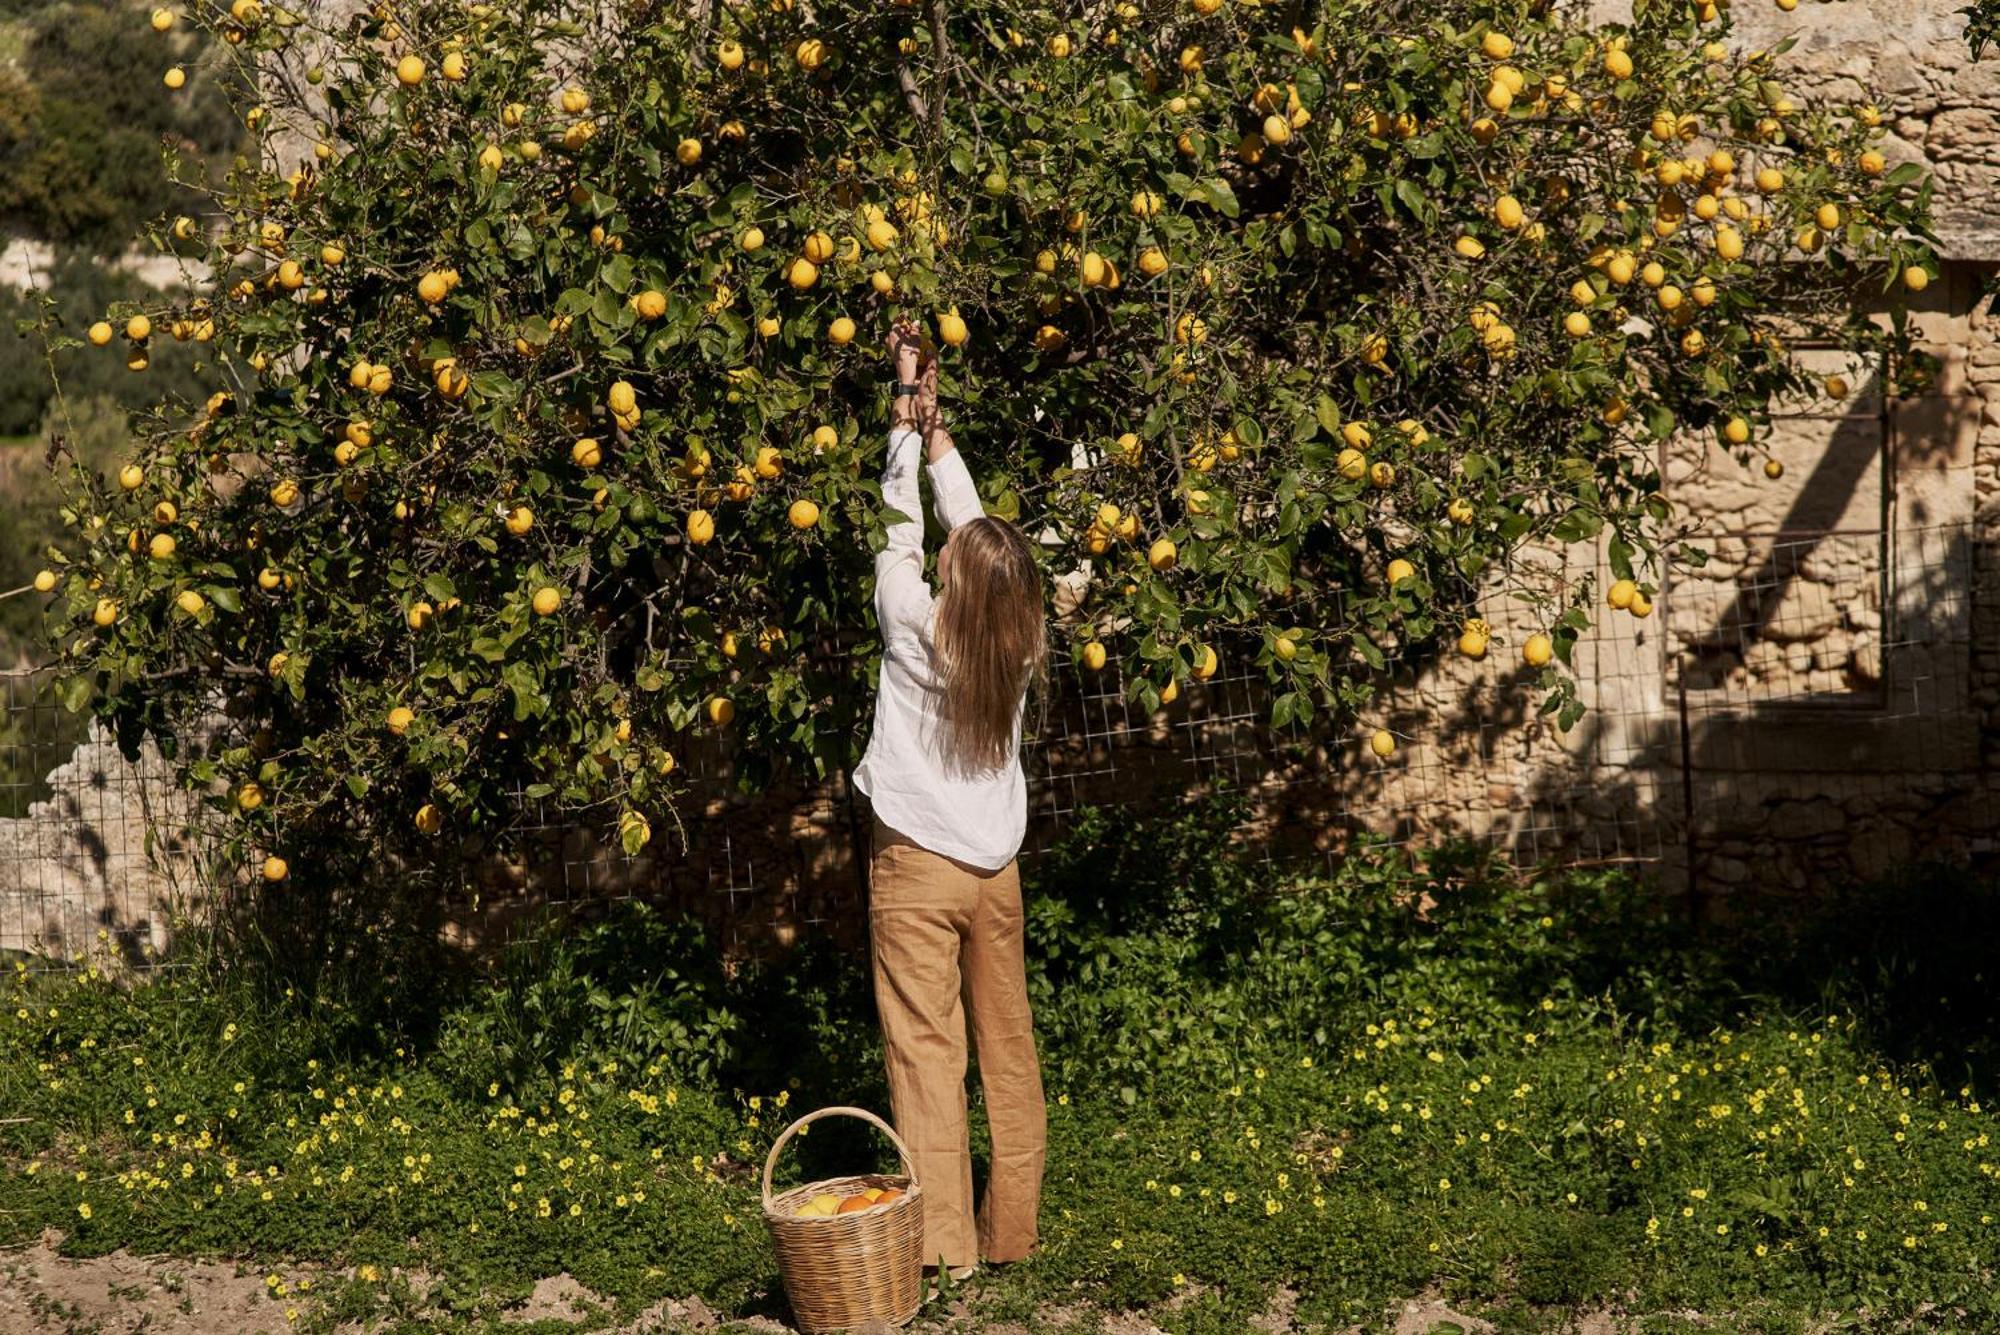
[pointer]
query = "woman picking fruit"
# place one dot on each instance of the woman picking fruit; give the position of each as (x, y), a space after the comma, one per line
(943, 771)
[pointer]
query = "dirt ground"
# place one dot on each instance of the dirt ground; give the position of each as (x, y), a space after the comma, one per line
(121, 1294)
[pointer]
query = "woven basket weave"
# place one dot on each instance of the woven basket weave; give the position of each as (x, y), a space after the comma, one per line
(846, 1269)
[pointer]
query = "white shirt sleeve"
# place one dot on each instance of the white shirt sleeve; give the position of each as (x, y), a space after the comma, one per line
(953, 491)
(902, 597)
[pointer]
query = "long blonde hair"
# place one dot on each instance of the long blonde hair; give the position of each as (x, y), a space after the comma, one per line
(992, 639)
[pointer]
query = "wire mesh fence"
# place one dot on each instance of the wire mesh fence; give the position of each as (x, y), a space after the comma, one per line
(1800, 705)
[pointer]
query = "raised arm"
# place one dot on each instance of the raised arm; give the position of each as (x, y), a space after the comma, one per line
(952, 489)
(902, 598)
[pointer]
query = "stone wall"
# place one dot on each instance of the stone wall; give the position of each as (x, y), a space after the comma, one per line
(1821, 699)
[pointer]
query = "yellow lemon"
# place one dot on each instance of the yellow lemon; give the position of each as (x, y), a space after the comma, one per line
(1537, 650)
(429, 820)
(162, 547)
(1916, 278)
(105, 612)
(803, 514)
(190, 602)
(951, 329)
(802, 273)
(275, 869)
(841, 331)
(546, 601)
(1162, 554)
(1205, 663)
(400, 719)
(586, 453)
(1094, 656)
(45, 581)
(1400, 570)
(720, 710)
(410, 70)
(1619, 595)
(1383, 743)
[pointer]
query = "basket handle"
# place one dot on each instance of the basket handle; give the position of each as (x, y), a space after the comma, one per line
(771, 1159)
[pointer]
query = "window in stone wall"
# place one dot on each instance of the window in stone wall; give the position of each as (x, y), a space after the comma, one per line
(1788, 608)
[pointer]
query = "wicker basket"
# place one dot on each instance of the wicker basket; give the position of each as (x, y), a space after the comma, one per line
(846, 1269)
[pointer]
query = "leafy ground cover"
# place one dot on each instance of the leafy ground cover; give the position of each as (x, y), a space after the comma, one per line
(1532, 1095)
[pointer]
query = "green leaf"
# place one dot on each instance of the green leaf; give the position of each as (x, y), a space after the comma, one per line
(1328, 414)
(76, 692)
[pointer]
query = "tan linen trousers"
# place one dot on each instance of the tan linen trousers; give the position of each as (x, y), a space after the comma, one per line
(947, 944)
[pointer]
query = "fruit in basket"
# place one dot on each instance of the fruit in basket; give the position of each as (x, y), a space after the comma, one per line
(889, 1194)
(854, 1203)
(825, 1203)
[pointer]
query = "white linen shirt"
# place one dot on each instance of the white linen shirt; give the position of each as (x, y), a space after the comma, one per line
(976, 818)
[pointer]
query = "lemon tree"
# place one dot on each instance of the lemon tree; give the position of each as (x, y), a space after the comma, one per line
(548, 389)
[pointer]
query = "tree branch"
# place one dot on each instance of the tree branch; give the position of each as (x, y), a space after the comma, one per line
(908, 83)
(940, 62)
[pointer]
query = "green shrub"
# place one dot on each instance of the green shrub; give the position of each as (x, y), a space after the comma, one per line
(1377, 1100)
(83, 290)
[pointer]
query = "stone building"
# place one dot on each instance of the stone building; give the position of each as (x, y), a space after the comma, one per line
(1820, 699)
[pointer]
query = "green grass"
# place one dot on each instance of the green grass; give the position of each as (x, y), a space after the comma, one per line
(1541, 1097)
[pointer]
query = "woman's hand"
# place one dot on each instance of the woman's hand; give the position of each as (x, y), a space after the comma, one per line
(905, 350)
